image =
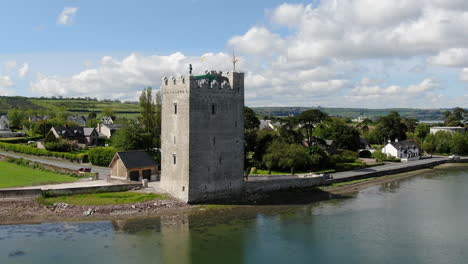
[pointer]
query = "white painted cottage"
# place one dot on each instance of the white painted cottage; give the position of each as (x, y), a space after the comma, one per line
(405, 150)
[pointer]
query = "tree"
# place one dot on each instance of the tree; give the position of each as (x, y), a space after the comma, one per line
(455, 117)
(287, 157)
(410, 124)
(92, 115)
(101, 156)
(364, 125)
(309, 120)
(42, 127)
(391, 127)
(130, 137)
(422, 130)
(343, 135)
(288, 131)
(108, 111)
(150, 116)
(15, 116)
(251, 121)
(251, 124)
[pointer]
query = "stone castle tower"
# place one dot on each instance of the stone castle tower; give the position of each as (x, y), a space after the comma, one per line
(202, 136)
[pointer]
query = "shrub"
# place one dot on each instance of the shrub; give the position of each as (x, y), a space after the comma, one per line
(42, 152)
(101, 156)
(61, 146)
(379, 156)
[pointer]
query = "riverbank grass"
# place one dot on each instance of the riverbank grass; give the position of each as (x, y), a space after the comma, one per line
(13, 175)
(109, 198)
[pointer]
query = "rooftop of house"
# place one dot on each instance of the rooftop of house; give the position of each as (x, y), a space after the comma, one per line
(405, 144)
(136, 159)
(74, 131)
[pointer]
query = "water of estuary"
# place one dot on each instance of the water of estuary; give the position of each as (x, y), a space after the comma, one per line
(423, 219)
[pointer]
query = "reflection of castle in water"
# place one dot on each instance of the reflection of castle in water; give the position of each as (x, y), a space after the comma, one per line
(179, 239)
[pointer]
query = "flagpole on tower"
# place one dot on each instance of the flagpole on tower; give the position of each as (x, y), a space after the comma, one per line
(234, 60)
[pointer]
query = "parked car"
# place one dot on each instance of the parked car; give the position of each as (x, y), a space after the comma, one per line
(454, 157)
(83, 170)
(327, 176)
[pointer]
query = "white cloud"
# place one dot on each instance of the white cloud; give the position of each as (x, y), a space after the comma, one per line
(464, 75)
(67, 15)
(23, 70)
(288, 14)
(5, 82)
(257, 41)
(455, 57)
(122, 79)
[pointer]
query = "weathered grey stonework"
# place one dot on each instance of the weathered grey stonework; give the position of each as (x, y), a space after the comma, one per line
(202, 137)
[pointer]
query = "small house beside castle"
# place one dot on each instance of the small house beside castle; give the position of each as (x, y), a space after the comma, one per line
(134, 166)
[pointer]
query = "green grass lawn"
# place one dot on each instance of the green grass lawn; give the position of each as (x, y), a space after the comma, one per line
(103, 198)
(12, 175)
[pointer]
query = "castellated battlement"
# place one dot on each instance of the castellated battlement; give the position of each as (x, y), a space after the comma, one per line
(211, 80)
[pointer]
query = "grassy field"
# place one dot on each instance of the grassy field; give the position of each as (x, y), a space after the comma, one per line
(12, 175)
(103, 198)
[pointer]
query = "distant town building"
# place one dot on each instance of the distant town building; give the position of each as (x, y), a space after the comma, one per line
(107, 120)
(37, 118)
(81, 135)
(269, 125)
(405, 150)
(460, 130)
(107, 130)
(78, 119)
(134, 166)
(4, 123)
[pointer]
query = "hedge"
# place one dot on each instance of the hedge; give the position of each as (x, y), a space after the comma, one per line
(82, 157)
(101, 156)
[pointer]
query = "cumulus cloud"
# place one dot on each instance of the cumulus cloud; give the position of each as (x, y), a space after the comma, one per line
(455, 57)
(23, 70)
(122, 79)
(10, 65)
(5, 82)
(325, 48)
(67, 15)
(257, 41)
(464, 75)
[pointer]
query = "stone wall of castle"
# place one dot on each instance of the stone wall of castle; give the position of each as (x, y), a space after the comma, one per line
(202, 137)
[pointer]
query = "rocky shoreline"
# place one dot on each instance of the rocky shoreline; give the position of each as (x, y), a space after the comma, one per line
(30, 211)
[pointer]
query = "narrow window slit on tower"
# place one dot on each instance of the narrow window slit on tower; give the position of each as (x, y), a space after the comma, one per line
(174, 158)
(175, 109)
(213, 109)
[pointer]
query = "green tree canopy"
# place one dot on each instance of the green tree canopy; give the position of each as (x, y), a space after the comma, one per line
(130, 137)
(308, 120)
(343, 135)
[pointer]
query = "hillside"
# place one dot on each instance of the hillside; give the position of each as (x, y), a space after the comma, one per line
(421, 114)
(82, 106)
(71, 105)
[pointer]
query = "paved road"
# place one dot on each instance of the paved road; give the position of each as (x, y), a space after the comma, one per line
(350, 174)
(103, 171)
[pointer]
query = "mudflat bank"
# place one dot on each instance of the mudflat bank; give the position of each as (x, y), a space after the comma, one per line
(29, 211)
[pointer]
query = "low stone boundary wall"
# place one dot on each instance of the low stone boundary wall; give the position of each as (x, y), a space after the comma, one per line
(281, 184)
(19, 192)
(365, 175)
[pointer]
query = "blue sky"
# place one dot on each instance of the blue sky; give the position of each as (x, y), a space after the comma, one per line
(301, 53)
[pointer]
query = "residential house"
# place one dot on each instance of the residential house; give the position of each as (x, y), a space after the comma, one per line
(364, 145)
(78, 119)
(4, 123)
(107, 130)
(460, 130)
(107, 120)
(405, 150)
(134, 166)
(37, 118)
(81, 135)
